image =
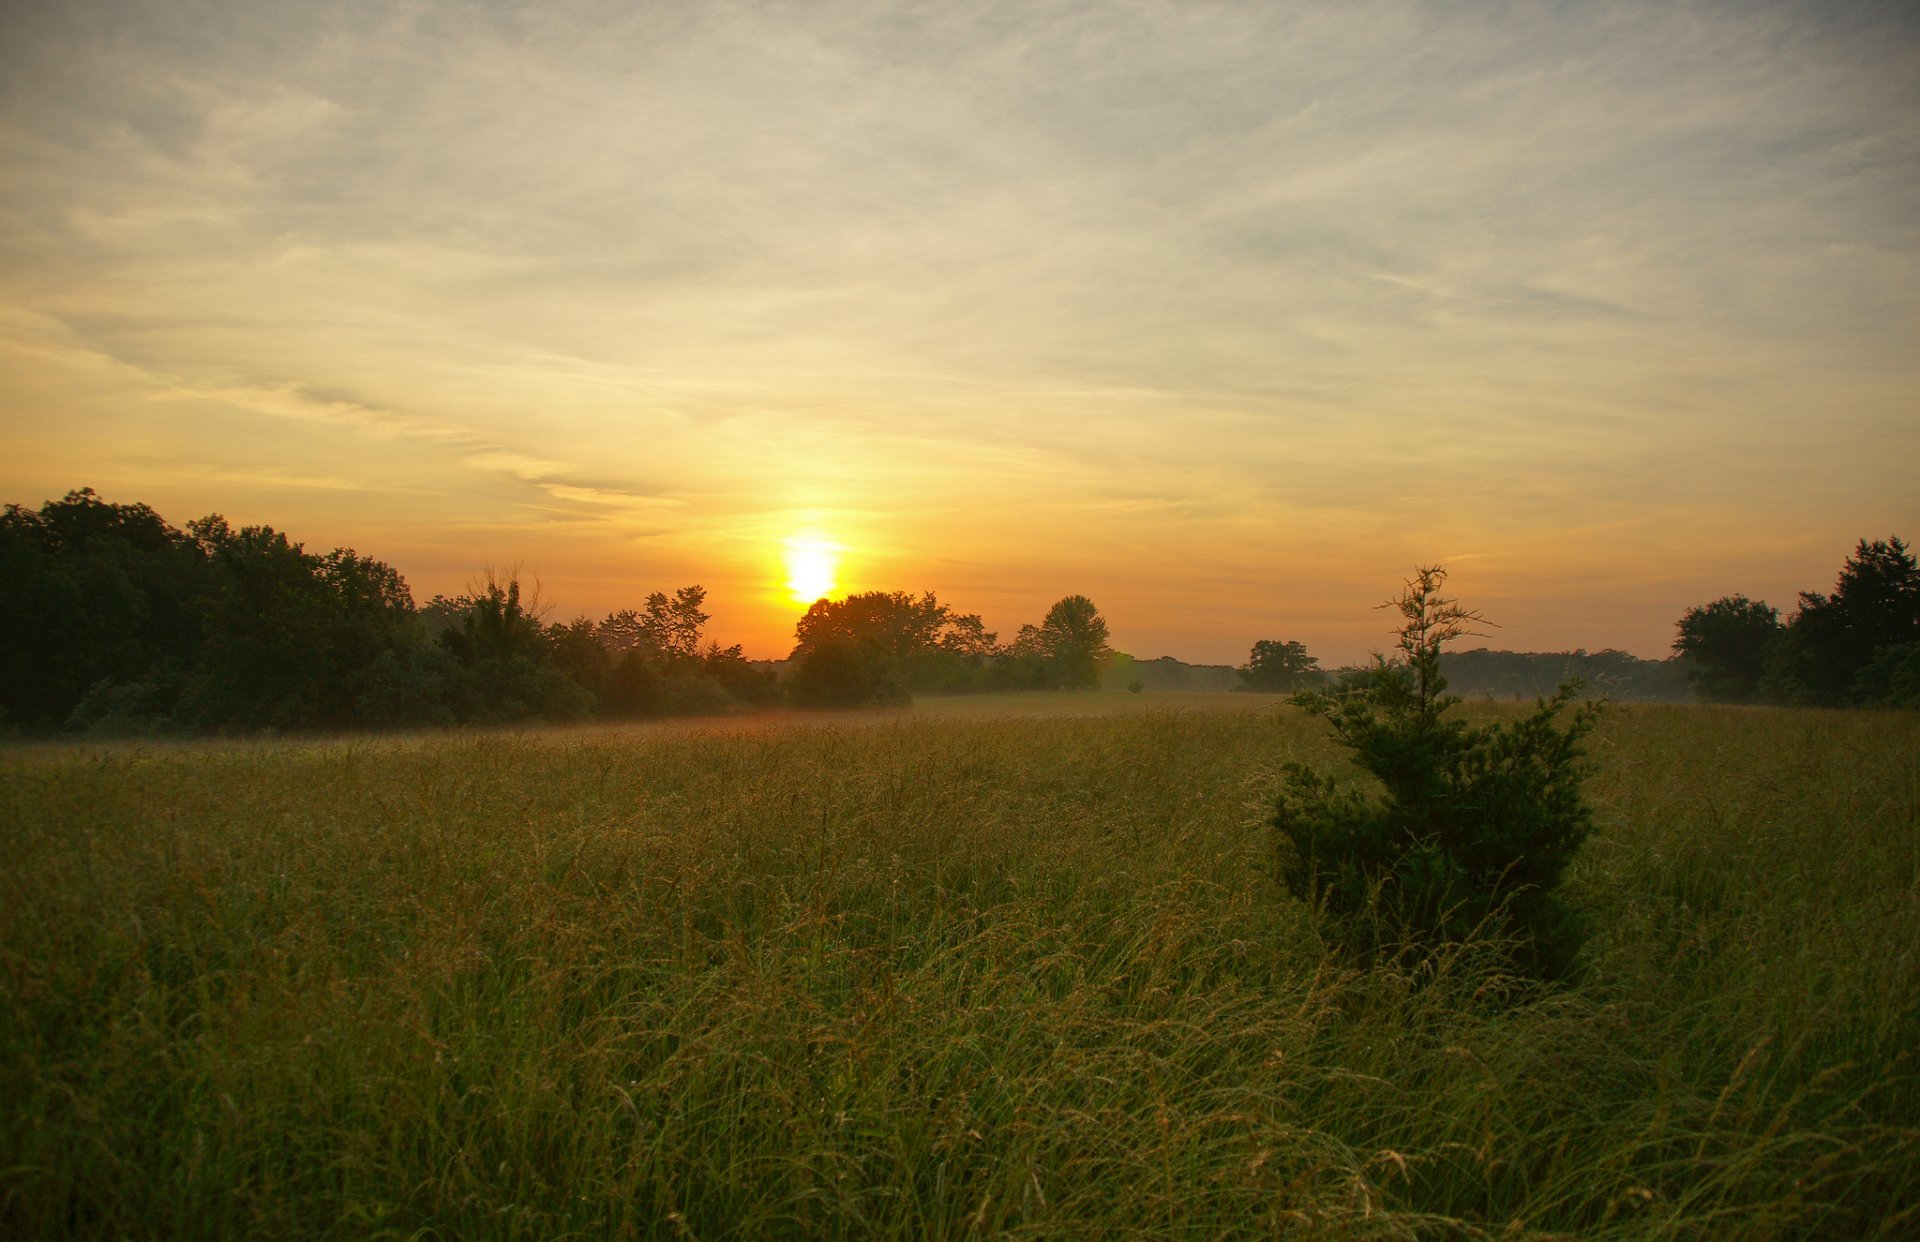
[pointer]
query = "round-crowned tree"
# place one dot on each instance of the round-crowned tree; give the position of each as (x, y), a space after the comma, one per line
(1074, 640)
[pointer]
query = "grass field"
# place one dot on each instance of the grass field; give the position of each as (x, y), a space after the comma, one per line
(989, 966)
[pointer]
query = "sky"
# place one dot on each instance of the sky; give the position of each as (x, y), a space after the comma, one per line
(1226, 315)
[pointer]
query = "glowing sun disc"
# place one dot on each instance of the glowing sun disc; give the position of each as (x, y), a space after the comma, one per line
(812, 565)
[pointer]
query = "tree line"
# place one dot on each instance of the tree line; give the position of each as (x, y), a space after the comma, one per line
(1277, 667)
(1856, 646)
(123, 623)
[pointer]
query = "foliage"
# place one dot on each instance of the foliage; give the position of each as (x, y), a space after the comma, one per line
(739, 679)
(99, 595)
(1726, 644)
(1276, 667)
(1167, 673)
(1833, 639)
(422, 685)
(291, 637)
(882, 646)
(673, 627)
(1070, 644)
(1837, 650)
(1891, 678)
(506, 667)
(121, 625)
(1472, 826)
(836, 672)
(654, 663)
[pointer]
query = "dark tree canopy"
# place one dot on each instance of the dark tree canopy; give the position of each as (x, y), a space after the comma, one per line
(119, 623)
(1072, 641)
(1619, 675)
(1849, 647)
(291, 636)
(673, 626)
(893, 622)
(656, 661)
(119, 617)
(99, 596)
(1276, 667)
(1824, 656)
(836, 671)
(507, 664)
(1726, 645)
(881, 646)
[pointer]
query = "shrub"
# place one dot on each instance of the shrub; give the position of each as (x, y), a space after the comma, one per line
(1471, 826)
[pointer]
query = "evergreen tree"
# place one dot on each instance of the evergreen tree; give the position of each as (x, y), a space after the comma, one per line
(1468, 828)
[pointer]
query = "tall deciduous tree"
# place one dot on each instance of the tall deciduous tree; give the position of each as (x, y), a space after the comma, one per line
(99, 596)
(880, 646)
(290, 636)
(1073, 640)
(1277, 667)
(509, 665)
(1726, 644)
(674, 626)
(1833, 639)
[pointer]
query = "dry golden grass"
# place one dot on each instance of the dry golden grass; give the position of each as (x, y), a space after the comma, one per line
(988, 967)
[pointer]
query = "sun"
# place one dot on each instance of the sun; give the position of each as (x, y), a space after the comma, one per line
(812, 568)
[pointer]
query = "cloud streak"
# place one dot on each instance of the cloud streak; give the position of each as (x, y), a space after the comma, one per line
(1076, 282)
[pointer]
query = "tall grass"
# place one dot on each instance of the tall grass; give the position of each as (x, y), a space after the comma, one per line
(925, 977)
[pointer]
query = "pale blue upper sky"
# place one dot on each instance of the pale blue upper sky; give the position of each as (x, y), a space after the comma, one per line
(1224, 314)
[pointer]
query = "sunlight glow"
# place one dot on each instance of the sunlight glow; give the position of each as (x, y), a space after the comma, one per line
(812, 568)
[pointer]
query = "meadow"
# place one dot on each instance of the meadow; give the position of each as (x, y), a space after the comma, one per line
(989, 967)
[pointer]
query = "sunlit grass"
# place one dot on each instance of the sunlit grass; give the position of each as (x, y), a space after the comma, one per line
(922, 976)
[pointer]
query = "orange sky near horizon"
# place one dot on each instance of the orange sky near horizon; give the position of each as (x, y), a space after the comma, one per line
(1225, 316)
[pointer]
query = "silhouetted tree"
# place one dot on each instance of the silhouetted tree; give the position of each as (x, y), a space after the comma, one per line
(290, 638)
(1533, 674)
(1891, 678)
(1275, 667)
(576, 650)
(1834, 639)
(1073, 641)
(622, 631)
(838, 671)
(102, 599)
(508, 669)
(119, 621)
(656, 666)
(743, 680)
(491, 622)
(1726, 644)
(673, 626)
(901, 642)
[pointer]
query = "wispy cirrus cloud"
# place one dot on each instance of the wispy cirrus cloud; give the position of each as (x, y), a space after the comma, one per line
(1113, 281)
